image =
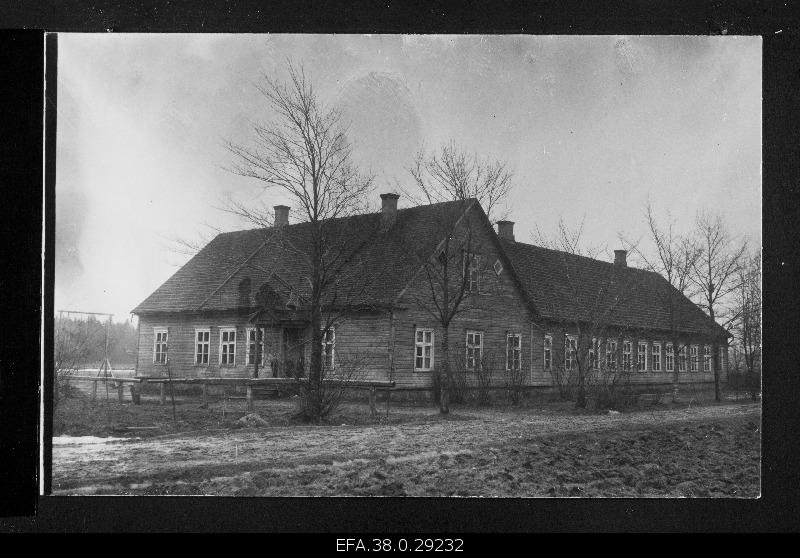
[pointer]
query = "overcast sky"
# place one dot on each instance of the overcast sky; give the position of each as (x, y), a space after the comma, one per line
(591, 126)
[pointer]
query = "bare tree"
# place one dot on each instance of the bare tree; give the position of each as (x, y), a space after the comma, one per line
(673, 257)
(568, 239)
(715, 271)
(451, 274)
(452, 173)
(75, 342)
(304, 153)
(747, 306)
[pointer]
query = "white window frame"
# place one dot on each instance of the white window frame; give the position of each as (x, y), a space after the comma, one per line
(206, 343)
(472, 348)
(570, 352)
(707, 355)
(228, 343)
(656, 357)
(329, 342)
(627, 354)
(423, 344)
(669, 358)
(611, 354)
(693, 358)
(641, 362)
(594, 357)
(160, 345)
(249, 344)
(474, 267)
(682, 359)
(547, 352)
(515, 350)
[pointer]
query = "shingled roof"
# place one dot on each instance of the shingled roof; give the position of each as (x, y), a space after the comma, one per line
(270, 262)
(567, 287)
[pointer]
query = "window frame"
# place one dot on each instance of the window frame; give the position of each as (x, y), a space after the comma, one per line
(160, 347)
(656, 367)
(594, 354)
(329, 343)
(641, 363)
(627, 363)
(611, 354)
(707, 356)
(694, 351)
(248, 343)
(222, 332)
(570, 352)
(669, 357)
(517, 349)
(547, 351)
(422, 344)
(474, 266)
(207, 343)
(682, 359)
(473, 347)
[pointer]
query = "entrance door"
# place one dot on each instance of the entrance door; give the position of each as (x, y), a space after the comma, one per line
(293, 352)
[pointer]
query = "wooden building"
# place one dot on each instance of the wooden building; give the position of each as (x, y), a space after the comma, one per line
(239, 307)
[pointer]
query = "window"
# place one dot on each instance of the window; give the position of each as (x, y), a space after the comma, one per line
(682, 359)
(656, 357)
(513, 351)
(627, 348)
(611, 354)
(669, 358)
(594, 362)
(227, 346)
(693, 358)
(641, 356)
(328, 348)
(706, 358)
(160, 345)
(570, 345)
(251, 345)
(548, 352)
(423, 347)
(471, 271)
(498, 267)
(202, 337)
(474, 349)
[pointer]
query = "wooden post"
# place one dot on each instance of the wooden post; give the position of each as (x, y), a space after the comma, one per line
(163, 393)
(120, 395)
(372, 402)
(94, 390)
(249, 397)
(205, 396)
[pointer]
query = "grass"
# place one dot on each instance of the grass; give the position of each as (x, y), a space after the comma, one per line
(546, 450)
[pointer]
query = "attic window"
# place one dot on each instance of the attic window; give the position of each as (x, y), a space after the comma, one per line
(498, 267)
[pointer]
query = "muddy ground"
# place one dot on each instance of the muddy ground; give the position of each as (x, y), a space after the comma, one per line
(548, 450)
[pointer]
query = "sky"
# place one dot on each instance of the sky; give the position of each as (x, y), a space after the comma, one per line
(592, 128)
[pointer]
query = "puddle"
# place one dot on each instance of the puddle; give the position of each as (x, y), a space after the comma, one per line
(82, 440)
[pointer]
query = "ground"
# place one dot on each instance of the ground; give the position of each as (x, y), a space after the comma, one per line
(540, 450)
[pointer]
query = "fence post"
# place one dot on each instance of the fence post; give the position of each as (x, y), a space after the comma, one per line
(163, 393)
(372, 401)
(249, 397)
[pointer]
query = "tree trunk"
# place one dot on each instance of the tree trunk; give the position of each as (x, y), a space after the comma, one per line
(444, 377)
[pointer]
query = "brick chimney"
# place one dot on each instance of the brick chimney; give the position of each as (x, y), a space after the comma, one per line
(281, 216)
(620, 258)
(505, 229)
(388, 210)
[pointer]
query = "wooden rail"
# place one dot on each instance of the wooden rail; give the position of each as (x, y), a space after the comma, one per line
(372, 386)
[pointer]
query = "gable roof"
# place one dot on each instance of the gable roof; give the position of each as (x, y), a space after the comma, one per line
(567, 287)
(270, 262)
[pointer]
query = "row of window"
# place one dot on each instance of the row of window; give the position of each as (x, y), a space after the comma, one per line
(424, 349)
(227, 346)
(570, 352)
